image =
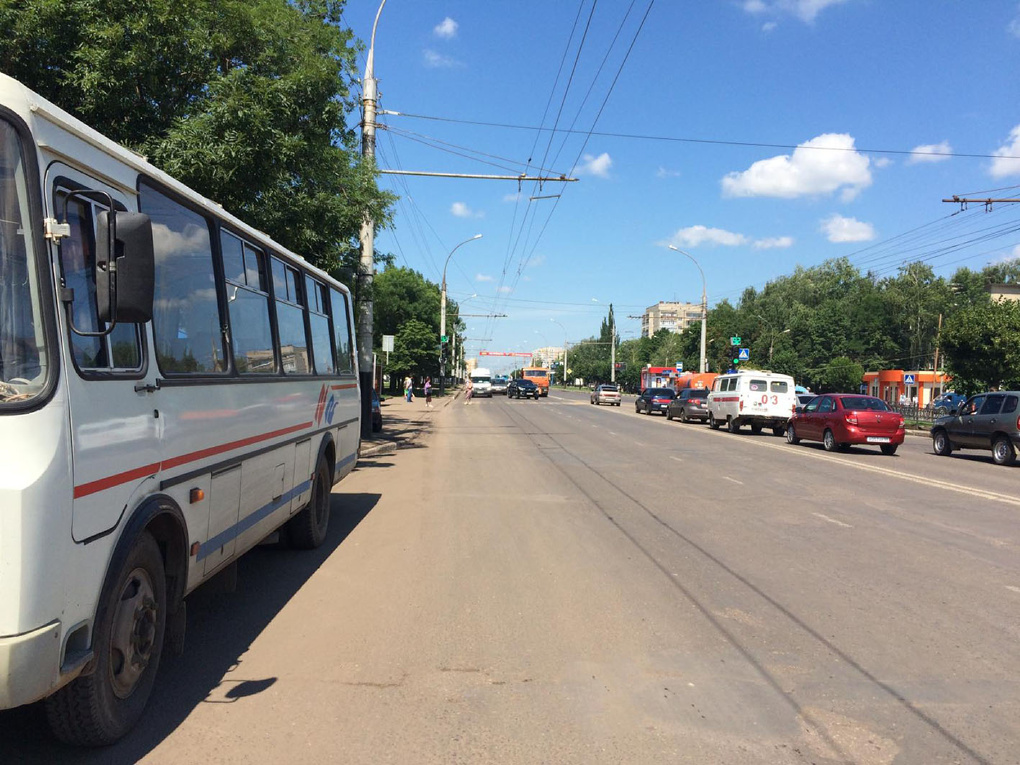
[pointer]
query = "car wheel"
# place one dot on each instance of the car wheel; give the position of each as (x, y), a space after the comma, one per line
(713, 423)
(829, 441)
(889, 449)
(779, 430)
(732, 424)
(941, 411)
(941, 444)
(791, 435)
(1003, 452)
(669, 414)
(756, 428)
(683, 416)
(637, 409)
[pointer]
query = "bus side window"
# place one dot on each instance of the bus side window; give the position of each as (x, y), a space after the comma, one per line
(290, 319)
(341, 333)
(186, 319)
(318, 323)
(251, 335)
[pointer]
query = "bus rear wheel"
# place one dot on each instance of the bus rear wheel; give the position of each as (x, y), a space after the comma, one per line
(99, 708)
(307, 530)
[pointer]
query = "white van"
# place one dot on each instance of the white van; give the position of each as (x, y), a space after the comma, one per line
(750, 396)
(481, 379)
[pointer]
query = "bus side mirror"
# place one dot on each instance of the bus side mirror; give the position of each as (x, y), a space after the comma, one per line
(124, 293)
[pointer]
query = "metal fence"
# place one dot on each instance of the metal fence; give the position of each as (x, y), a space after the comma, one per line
(919, 413)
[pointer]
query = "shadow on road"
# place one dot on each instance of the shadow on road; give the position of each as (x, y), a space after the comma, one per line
(221, 628)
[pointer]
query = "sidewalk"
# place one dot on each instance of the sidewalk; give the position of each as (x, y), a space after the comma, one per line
(404, 424)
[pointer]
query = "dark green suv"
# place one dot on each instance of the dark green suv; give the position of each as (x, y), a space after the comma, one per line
(986, 421)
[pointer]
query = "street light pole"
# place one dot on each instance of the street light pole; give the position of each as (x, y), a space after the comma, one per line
(366, 267)
(442, 317)
(564, 348)
(704, 304)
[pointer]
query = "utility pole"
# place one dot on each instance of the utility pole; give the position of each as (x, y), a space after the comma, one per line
(612, 344)
(442, 318)
(938, 335)
(366, 270)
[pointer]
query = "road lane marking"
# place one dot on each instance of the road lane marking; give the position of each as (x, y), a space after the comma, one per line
(612, 433)
(1011, 588)
(733, 479)
(832, 520)
(678, 459)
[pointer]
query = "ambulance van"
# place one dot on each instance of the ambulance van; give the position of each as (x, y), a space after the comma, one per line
(751, 397)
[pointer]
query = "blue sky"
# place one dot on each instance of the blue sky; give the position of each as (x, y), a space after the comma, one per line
(757, 135)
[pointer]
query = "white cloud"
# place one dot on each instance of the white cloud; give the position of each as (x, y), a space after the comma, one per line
(664, 173)
(446, 28)
(511, 197)
(593, 165)
(505, 289)
(822, 165)
(1006, 162)
(436, 60)
(840, 229)
(461, 210)
(769, 26)
(692, 236)
(805, 10)
(536, 261)
(773, 243)
(930, 152)
(483, 278)
(1014, 25)
(880, 162)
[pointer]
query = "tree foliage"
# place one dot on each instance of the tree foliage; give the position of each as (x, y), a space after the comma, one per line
(245, 101)
(982, 346)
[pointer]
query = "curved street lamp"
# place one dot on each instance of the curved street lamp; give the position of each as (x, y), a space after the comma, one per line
(442, 316)
(704, 303)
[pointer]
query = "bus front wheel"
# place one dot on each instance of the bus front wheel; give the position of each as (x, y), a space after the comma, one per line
(99, 708)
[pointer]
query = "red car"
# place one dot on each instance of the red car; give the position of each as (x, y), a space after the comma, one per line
(841, 419)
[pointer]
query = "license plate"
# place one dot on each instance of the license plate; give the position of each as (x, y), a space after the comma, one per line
(877, 440)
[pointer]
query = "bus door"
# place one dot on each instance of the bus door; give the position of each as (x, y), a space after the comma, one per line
(113, 410)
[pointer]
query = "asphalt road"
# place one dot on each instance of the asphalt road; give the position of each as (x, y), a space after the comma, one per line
(556, 582)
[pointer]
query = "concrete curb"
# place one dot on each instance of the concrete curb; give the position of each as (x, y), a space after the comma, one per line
(376, 449)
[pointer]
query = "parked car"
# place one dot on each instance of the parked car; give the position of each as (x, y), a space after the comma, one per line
(525, 388)
(985, 421)
(499, 385)
(606, 394)
(803, 399)
(948, 403)
(690, 404)
(654, 400)
(839, 420)
(376, 412)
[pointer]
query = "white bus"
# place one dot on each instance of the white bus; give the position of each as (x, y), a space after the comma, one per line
(174, 387)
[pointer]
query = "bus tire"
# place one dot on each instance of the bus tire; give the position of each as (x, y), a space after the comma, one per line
(101, 707)
(307, 530)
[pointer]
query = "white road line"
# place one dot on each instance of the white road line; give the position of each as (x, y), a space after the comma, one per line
(612, 433)
(678, 459)
(733, 479)
(1011, 588)
(970, 491)
(832, 520)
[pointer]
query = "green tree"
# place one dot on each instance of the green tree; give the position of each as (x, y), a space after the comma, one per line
(982, 346)
(415, 353)
(841, 375)
(246, 101)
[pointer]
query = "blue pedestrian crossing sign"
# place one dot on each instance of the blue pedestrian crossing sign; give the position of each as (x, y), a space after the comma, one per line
(679, 366)
(908, 379)
(744, 354)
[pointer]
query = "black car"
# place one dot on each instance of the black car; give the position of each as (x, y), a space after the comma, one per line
(691, 404)
(376, 412)
(985, 421)
(525, 388)
(654, 400)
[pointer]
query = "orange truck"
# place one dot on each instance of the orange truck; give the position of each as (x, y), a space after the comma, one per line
(539, 376)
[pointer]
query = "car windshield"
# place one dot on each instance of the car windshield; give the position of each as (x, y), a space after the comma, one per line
(23, 364)
(479, 379)
(864, 403)
(700, 393)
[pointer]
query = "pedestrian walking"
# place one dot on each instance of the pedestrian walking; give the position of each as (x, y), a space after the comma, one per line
(428, 392)
(468, 391)
(408, 389)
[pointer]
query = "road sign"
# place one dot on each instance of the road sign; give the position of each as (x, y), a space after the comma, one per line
(387, 343)
(444, 339)
(744, 354)
(908, 379)
(679, 366)
(735, 340)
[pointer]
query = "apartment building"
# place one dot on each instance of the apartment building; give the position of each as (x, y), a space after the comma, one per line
(675, 317)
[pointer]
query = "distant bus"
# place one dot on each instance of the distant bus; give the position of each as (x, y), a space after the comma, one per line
(539, 376)
(174, 387)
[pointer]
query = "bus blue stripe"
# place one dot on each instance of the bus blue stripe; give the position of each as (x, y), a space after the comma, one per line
(211, 545)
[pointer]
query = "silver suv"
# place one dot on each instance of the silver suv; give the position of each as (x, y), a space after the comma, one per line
(985, 421)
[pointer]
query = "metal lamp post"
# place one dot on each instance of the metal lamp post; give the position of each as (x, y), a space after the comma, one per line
(564, 348)
(442, 316)
(704, 303)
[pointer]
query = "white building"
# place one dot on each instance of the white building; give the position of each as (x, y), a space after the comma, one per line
(675, 317)
(547, 355)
